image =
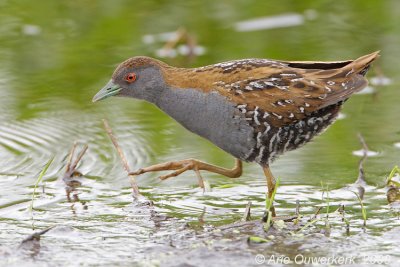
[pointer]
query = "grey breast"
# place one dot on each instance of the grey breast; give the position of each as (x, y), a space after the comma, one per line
(211, 116)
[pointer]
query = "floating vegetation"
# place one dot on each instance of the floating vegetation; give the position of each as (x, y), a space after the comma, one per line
(257, 239)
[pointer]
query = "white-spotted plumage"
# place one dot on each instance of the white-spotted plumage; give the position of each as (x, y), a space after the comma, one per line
(288, 103)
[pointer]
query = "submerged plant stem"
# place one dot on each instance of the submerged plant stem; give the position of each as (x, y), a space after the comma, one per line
(134, 186)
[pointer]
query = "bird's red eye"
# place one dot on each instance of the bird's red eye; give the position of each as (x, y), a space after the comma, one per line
(130, 77)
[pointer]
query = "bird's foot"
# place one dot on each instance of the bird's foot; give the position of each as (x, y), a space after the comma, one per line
(178, 168)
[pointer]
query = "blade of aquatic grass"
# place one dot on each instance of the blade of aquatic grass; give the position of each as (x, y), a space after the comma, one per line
(363, 209)
(393, 172)
(315, 219)
(38, 180)
(307, 225)
(297, 213)
(327, 202)
(327, 199)
(223, 186)
(268, 204)
(268, 201)
(11, 174)
(267, 224)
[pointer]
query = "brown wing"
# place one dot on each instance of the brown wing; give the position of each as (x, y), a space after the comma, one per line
(290, 93)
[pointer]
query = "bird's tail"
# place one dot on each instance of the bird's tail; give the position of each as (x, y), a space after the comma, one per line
(348, 79)
(360, 65)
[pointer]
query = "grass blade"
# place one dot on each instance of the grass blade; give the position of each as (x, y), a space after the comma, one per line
(270, 201)
(38, 180)
(363, 209)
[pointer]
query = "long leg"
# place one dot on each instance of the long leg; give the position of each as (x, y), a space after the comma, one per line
(271, 186)
(191, 164)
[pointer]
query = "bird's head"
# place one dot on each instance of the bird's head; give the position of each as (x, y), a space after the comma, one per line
(137, 77)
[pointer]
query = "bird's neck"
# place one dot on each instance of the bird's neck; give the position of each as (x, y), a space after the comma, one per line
(185, 78)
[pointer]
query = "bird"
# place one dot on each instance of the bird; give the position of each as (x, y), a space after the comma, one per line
(254, 109)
